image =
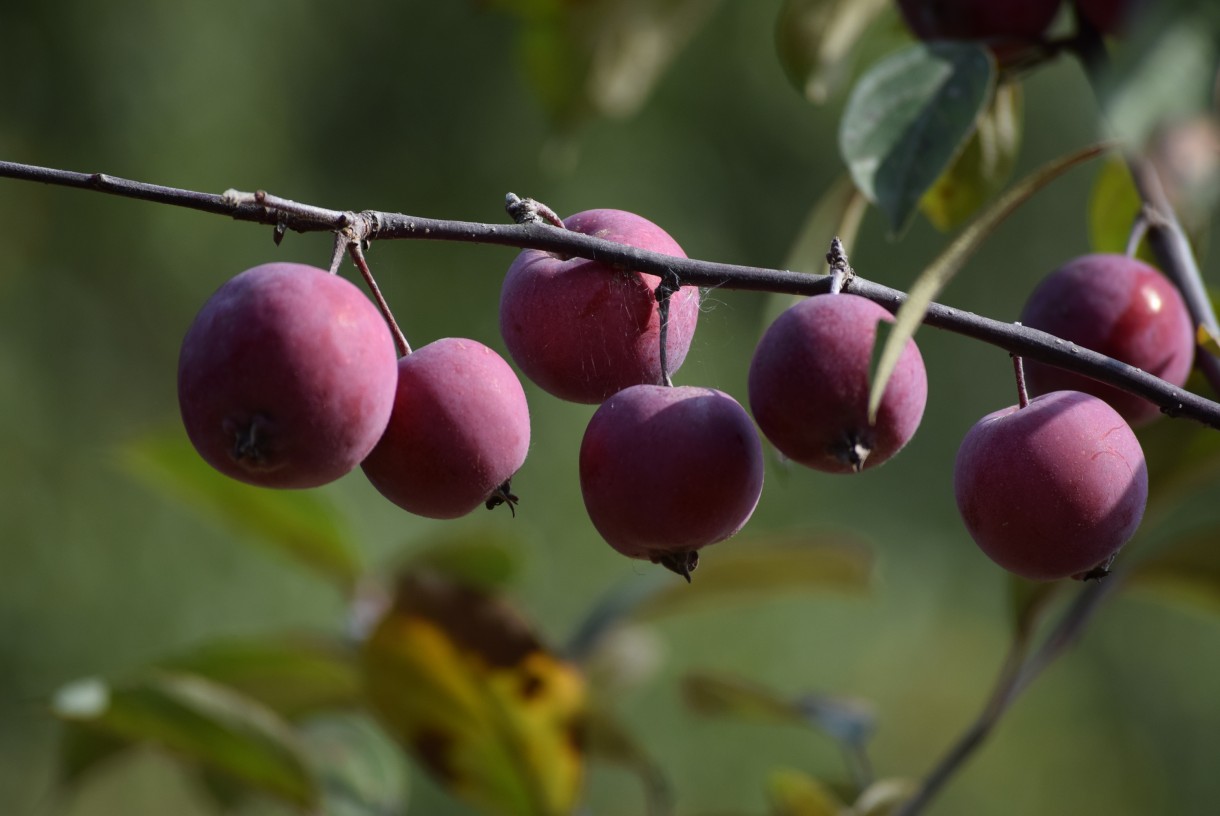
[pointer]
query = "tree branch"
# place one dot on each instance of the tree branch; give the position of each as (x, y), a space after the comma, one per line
(262, 208)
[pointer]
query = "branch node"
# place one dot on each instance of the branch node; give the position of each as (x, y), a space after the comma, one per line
(529, 211)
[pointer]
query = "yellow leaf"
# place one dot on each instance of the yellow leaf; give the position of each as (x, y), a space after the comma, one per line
(464, 685)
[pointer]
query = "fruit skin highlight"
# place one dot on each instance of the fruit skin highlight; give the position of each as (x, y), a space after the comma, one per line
(1122, 308)
(809, 383)
(459, 430)
(583, 330)
(1054, 489)
(665, 471)
(286, 377)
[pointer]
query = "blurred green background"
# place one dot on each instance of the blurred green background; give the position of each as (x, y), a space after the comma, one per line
(421, 108)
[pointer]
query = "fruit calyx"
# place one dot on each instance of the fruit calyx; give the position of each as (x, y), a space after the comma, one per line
(682, 562)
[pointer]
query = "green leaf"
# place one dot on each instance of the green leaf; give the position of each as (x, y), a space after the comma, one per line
(908, 117)
(795, 793)
(1181, 457)
(1164, 70)
(603, 57)
(609, 741)
(751, 567)
(1114, 204)
(482, 557)
(760, 567)
(293, 675)
(200, 721)
(360, 770)
(1030, 601)
(983, 167)
(1188, 569)
(816, 40)
(463, 684)
(938, 274)
(847, 720)
(300, 525)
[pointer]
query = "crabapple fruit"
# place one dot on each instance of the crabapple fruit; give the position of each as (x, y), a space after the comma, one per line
(583, 329)
(1053, 489)
(665, 471)
(809, 383)
(1122, 308)
(458, 432)
(978, 19)
(286, 377)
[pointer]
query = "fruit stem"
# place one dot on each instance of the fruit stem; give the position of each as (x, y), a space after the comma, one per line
(665, 289)
(841, 272)
(1018, 368)
(400, 340)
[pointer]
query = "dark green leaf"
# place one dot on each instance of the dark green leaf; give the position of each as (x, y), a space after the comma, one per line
(200, 721)
(82, 749)
(1181, 456)
(983, 167)
(298, 524)
(1188, 569)
(908, 117)
(938, 274)
(816, 40)
(293, 675)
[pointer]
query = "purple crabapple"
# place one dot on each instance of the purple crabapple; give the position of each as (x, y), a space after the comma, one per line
(286, 377)
(1122, 308)
(1054, 489)
(459, 431)
(665, 471)
(809, 384)
(992, 20)
(583, 329)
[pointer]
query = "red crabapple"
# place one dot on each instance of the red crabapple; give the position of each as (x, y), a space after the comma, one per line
(1122, 308)
(978, 19)
(459, 430)
(1053, 489)
(582, 329)
(665, 471)
(809, 384)
(286, 377)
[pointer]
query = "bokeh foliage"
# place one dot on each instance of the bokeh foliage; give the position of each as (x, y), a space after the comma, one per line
(120, 563)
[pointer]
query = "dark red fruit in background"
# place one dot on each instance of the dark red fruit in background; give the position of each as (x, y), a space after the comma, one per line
(583, 330)
(286, 377)
(665, 471)
(809, 384)
(1108, 16)
(978, 19)
(1054, 489)
(459, 430)
(1120, 307)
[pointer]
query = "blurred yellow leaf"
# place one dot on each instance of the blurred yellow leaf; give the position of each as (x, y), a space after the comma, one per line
(464, 685)
(982, 167)
(793, 793)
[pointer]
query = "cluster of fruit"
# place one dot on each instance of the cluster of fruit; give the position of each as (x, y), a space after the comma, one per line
(288, 378)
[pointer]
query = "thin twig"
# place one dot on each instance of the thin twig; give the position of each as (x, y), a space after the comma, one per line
(371, 224)
(1016, 675)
